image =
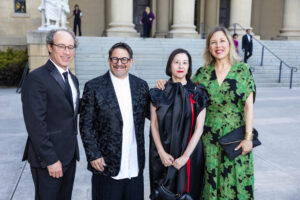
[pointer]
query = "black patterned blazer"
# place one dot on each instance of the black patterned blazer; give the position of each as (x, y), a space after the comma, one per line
(101, 122)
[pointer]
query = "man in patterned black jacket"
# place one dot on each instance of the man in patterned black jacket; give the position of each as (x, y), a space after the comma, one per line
(112, 118)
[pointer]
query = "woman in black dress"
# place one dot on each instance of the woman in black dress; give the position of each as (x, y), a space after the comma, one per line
(177, 120)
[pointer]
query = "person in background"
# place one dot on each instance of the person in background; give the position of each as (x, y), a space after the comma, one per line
(247, 45)
(177, 120)
(147, 21)
(236, 42)
(77, 19)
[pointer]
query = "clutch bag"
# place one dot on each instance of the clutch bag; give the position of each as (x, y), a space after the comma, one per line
(162, 193)
(231, 140)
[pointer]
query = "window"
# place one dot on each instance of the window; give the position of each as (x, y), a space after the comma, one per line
(20, 6)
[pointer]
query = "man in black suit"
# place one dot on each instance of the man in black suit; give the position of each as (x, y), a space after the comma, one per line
(112, 118)
(50, 98)
(247, 45)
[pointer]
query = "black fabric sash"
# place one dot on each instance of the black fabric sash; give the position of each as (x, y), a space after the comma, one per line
(175, 121)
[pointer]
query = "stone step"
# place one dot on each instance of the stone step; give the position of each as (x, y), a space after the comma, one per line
(150, 58)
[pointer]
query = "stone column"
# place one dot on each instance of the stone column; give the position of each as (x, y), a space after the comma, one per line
(291, 21)
(240, 12)
(183, 19)
(211, 15)
(162, 17)
(107, 16)
(121, 15)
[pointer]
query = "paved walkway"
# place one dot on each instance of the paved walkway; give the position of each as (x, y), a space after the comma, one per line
(277, 161)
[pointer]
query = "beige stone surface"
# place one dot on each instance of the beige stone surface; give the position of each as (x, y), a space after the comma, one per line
(267, 18)
(183, 20)
(240, 12)
(291, 24)
(162, 16)
(121, 24)
(153, 7)
(37, 61)
(18, 24)
(93, 16)
(211, 15)
(37, 50)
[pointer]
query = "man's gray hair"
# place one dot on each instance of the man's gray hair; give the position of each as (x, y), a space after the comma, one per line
(50, 36)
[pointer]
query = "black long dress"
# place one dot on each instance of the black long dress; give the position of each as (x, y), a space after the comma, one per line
(177, 108)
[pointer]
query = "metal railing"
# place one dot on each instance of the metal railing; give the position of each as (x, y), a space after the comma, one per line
(25, 72)
(293, 69)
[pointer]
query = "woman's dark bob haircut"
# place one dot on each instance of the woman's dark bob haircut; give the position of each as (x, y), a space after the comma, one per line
(171, 58)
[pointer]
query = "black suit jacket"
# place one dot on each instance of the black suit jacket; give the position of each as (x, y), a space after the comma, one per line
(248, 46)
(50, 119)
(101, 122)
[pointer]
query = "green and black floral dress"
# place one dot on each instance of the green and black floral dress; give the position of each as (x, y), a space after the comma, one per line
(225, 179)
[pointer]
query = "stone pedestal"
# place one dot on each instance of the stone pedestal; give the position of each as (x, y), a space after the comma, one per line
(37, 50)
(183, 20)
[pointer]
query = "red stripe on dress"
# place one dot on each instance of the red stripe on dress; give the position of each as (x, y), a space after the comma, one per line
(188, 167)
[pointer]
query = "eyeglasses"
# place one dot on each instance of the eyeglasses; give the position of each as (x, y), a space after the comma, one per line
(123, 60)
(62, 47)
(184, 63)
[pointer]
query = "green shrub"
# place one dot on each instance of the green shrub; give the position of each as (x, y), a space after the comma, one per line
(12, 64)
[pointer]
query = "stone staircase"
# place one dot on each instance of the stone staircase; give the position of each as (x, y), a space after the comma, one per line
(150, 58)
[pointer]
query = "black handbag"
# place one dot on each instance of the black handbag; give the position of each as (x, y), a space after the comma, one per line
(231, 140)
(162, 193)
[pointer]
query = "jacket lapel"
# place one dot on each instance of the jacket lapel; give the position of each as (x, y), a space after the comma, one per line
(134, 96)
(109, 93)
(75, 81)
(57, 77)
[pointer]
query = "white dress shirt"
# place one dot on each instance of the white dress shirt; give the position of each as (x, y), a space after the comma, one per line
(73, 88)
(129, 161)
(249, 38)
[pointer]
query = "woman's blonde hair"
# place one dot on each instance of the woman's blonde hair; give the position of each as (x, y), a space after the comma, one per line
(208, 57)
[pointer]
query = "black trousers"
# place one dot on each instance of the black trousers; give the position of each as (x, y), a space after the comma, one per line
(147, 30)
(48, 188)
(77, 23)
(107, 188)
(247, 55)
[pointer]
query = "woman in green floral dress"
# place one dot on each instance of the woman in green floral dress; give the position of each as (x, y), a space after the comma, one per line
(232, 92)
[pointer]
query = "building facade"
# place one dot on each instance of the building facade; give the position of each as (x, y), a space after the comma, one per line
(269, 19)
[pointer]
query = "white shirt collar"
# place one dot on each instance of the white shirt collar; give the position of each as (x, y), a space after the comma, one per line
(61, 70)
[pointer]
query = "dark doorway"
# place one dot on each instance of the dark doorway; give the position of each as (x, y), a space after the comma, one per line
(138, 9)
(224, 17)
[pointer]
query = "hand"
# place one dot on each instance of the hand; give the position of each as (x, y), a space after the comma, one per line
(160, 84)
(98, 164)
(166, 159)
(55, 170)
(180, 162)
(246, 146)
